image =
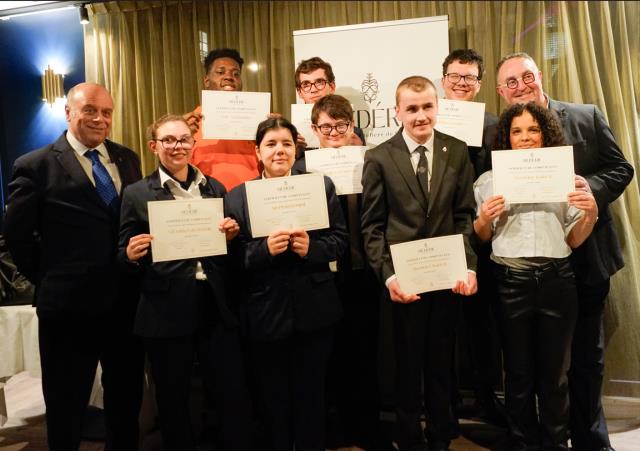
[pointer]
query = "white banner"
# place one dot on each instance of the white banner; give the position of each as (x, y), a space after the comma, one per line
(369, 60)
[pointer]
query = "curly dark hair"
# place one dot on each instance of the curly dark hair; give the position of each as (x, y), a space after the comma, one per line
(222, 53)
(549, 123)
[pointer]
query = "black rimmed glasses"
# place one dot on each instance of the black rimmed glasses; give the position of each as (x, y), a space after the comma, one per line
(340, 127)
(512, 83)
(319, 84)
(469, 79)
(171, 142)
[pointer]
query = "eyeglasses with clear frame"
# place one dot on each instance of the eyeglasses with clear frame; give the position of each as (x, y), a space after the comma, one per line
(512, 83)
(326, 129)
(469, 79)
(171, 142)
(319, 84)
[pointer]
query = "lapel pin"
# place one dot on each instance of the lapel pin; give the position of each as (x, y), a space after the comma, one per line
(444, 149)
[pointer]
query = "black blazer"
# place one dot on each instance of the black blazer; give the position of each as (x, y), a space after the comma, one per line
(598, 159)
(61, 234)
(168, 306)
(286, 292)
(394, 209)
(481, 156)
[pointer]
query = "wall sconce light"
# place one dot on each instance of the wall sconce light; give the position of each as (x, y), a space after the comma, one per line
(84, 14)
(52, 86)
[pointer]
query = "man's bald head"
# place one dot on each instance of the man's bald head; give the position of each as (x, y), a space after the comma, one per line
(89, 111)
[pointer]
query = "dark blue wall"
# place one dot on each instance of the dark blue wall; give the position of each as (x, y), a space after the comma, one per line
(27, 45)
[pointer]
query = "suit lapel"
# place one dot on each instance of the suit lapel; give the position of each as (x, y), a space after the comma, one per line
(67, 158)
(123, 169)
(560, 111)
(438, 166)
(159, 191)
(399, 153)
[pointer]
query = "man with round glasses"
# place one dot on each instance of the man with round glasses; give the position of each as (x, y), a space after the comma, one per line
(314, 80)
(605, 173)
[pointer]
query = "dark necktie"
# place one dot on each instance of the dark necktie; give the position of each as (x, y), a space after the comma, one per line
(422, 172)
(104, 185)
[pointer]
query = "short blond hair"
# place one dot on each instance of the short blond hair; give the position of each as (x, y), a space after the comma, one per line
(416, 83)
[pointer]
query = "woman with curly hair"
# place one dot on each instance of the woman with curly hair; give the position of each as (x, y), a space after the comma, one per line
(531, 244)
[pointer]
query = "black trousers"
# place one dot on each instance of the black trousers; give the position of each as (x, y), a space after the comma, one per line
(70, 349)
(537, 315)
(588, 426)
(478, 326)
(291, 380)
(424, 334)
(353, 401)
(218, 351)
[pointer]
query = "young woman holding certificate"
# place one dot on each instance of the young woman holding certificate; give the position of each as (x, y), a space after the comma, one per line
(183, 309)
(537, 309)
(290, 301)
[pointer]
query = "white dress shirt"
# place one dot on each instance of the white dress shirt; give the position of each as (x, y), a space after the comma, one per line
(527, 231)
(80, 149)
(415, 155)
(180, 193)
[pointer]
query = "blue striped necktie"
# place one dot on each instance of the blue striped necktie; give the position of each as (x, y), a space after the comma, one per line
(104, 184)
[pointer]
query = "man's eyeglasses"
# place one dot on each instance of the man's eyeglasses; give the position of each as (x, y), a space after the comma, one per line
(340, 127)
(319, 84)
(512, 83)
(454, 78)
(171, 142)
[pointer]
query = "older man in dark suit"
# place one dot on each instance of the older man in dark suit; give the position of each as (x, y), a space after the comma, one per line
(62, 226)
(417, 185)
(605, 173)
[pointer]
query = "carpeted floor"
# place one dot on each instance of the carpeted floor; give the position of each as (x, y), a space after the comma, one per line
(26, 429)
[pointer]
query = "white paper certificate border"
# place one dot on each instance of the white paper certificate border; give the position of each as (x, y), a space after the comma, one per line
(343, 165)
(261, 194)
(461, 119)
(234, 127)
(560, 159)
(162, 243)
(452, 265)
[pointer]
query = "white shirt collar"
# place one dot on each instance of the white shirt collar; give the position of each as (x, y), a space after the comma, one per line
(412, 145)
(164, 177)
(80, 148)
(264, 176)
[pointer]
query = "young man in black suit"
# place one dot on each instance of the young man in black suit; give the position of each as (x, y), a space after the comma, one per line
(61, 227)
(417, 185)
(605, 173)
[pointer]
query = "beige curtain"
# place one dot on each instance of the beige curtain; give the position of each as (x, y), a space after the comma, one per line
(147, 54)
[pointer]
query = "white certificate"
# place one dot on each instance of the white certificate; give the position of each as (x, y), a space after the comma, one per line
(528, 176)
(294, 202)
(301, 118)
(430, 264)
(186, 229)
(462, 120)
(233, 115)
(343, 165)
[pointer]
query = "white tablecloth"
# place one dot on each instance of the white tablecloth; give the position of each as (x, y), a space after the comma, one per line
(19, 351)
(19, 341)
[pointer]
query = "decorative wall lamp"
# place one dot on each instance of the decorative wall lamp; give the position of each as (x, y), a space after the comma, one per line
(52, 86)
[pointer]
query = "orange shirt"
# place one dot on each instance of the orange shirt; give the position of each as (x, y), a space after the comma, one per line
(230, 162)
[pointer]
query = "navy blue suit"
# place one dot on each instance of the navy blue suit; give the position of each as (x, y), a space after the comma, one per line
(290, 308)
(63, 237)
(598, 158)
(181, 318)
